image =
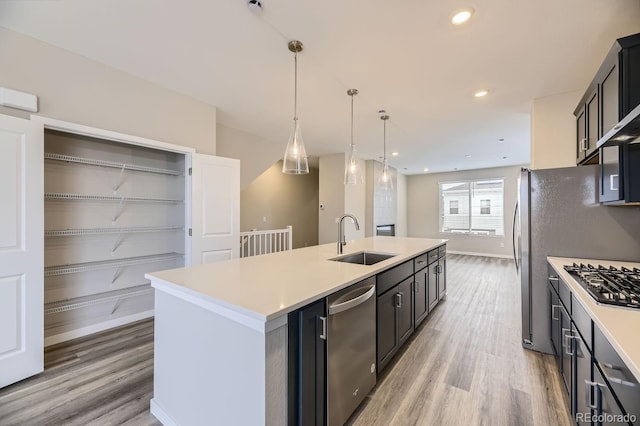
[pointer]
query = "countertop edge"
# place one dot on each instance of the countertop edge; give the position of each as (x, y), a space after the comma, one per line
(269, 320)
(584, 300)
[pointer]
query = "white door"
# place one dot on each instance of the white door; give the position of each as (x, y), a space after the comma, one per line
(215, 215)
(21, 249)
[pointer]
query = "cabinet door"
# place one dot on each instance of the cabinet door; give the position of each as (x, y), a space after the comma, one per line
(308, 383)
(405, 310)
(555, 323)
(420, 307)
(442, 278)
(604, 399)
(432, 279)
(582, 376)
(609, 100)
(581, 134)
(386, 327)
(21, 249)
(215, 215)
(566, 354)
(593, 124)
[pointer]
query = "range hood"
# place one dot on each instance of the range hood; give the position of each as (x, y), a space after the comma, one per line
(626, 131)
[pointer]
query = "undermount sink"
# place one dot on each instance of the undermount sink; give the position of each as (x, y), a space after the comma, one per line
(363, 258)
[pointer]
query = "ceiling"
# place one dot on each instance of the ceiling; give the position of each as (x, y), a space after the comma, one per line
(403, 56)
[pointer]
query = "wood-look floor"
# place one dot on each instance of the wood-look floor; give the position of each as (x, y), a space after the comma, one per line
(463, 366)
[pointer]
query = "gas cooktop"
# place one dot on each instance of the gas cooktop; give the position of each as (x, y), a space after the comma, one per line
(609, 285)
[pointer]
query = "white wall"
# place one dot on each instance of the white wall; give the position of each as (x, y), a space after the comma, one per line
(338, 199)
(553, 130)
(423, 210)
(401, 208)
(256, 154)
(75, 89)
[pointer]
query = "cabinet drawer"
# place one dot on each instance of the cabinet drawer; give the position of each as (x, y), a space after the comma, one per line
(421, 262)
(623, 384)
(433, 255)
(565, 295)
(442, 251)
(582, 321)
(388, 279)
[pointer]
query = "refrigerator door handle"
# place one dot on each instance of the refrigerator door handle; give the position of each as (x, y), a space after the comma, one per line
(514, 236)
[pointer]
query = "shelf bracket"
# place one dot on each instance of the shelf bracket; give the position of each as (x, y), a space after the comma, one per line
(119, 211)
(118, 243)
(117, 274)
(120, 178)
(115, 306)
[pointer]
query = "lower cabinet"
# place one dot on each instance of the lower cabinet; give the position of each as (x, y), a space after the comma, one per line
(420, 293)
(432, 285)
(442, 278)
(394, 320)
(601, 388)
(307, 365)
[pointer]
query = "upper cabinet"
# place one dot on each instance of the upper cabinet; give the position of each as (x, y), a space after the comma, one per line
(613, 93)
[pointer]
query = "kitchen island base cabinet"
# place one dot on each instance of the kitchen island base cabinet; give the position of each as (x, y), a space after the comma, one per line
(197, 348)
(307, 365)
(394, 320)
(421, 308)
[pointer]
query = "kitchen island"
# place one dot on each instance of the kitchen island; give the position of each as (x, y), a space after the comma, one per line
(221, 329)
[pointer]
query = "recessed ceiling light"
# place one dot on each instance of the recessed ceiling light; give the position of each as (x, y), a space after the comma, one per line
(501, 140)
(426, 169)
(505, 157)
(481, 93)
(461, 16)
(467, 156)
(394, 153)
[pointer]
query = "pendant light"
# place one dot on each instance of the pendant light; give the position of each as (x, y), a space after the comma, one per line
(385, 181)
(352, 170)
(295, 156)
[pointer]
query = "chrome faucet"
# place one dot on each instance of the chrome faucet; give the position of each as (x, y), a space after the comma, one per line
(341, 239)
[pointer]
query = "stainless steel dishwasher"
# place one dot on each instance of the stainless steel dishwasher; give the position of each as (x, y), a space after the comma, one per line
(351, 349)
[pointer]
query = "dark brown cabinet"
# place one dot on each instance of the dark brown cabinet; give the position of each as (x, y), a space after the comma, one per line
(613, 93)
(394, 320)
(420, 306)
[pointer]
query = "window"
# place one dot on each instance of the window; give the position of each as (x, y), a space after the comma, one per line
(485, 206)
(472, 207)
(453, 206)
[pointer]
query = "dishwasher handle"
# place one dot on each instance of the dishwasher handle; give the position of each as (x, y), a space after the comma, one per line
(352, 303)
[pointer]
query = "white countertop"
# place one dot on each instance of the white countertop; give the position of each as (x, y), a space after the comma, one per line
(263, 288)
(619, 325)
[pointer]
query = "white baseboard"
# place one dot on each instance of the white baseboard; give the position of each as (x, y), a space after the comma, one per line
(95, 328)
(468, 253)
(161, 415)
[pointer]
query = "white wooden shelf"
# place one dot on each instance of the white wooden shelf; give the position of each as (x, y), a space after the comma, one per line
(85, 197)
(107, 297)
(110, 164)
(105, 231)
(106, 264)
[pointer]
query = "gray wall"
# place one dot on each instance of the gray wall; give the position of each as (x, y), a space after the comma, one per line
(423, 210)
(75, 89)
(274, 200)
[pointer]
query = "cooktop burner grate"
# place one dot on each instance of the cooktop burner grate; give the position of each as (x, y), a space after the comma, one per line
(609, 285)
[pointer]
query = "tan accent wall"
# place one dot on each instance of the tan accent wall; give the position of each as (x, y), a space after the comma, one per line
(274, 200)
(256, 154)
(75, 89)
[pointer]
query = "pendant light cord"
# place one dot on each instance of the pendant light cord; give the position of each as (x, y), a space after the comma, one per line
(295, 87)
(351, 121)
(384, 140)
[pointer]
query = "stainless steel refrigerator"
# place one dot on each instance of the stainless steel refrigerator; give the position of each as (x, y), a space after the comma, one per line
(558, 214)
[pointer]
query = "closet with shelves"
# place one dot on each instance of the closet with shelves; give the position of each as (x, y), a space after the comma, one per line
(113, 212)
(86, 213)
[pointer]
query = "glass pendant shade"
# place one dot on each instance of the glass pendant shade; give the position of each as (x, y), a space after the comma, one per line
(295, 156)
(385, 181)
(352, 171)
